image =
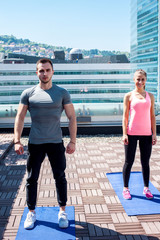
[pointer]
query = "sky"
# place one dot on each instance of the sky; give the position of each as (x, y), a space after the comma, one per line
(84, 24)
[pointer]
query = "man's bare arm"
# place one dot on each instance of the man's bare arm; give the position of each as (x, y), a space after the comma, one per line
(70, 113)
(18, 127)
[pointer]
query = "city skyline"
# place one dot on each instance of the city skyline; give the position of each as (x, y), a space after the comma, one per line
(103, 25)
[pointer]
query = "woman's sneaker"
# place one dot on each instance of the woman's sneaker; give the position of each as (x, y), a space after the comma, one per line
(30, 220)
(147, 193)
(62, 219)
(126, 194)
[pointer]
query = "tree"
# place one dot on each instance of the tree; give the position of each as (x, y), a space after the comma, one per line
(2, 50)
(94, 51)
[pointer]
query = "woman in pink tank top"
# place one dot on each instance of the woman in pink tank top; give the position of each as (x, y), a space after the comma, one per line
(141, 127)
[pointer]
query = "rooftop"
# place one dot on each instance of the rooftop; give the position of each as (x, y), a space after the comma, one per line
(99, 214)
(121, 58)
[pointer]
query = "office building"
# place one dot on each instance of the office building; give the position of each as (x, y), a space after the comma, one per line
(97, 89)
(145, 42)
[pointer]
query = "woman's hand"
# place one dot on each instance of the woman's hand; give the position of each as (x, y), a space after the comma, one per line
(125, 139)
(154, 139)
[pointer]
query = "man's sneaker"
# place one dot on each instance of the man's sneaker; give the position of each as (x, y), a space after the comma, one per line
(62, 219)
(126, 194)
(148, 194)
(30, 220)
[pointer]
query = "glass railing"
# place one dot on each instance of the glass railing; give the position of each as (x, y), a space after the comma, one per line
(91, 113)
(85, 112)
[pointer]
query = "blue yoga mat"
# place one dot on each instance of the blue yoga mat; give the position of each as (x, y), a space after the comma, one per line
(138, 205)
(46, 225)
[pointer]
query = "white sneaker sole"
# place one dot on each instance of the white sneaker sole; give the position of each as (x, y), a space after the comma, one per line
(29, 227)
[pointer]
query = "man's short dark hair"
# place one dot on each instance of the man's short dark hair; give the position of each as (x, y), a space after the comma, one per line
(44, 60)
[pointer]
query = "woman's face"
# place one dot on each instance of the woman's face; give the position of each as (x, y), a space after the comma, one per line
(140, 80)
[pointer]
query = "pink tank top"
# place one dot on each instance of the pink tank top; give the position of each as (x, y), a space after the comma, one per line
(140, 120)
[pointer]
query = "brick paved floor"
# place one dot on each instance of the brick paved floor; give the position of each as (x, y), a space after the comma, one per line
(98, 213)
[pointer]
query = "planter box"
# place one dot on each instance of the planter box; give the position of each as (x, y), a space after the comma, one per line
(84, 119)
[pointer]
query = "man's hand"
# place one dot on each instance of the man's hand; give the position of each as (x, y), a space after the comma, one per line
(71, 147)
(19, 148)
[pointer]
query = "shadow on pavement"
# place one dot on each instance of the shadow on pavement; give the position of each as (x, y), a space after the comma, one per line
(12, 170)
(94, 232)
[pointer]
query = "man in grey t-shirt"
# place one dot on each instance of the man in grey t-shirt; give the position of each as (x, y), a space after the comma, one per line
(45, 102)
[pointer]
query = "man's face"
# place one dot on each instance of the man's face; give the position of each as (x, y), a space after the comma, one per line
(45, 72)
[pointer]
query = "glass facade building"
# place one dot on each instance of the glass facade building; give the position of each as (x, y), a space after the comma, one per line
(97, 90)
(145, 41)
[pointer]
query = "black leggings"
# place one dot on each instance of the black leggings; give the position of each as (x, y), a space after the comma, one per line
(145, 145)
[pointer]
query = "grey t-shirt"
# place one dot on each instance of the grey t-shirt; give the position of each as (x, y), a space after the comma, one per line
(45, 107)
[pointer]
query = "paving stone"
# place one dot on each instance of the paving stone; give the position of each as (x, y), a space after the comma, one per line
(99, 214)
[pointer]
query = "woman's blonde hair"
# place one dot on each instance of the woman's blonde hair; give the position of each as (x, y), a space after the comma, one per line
(141, 71)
